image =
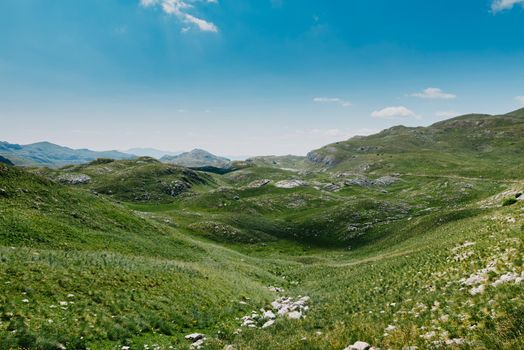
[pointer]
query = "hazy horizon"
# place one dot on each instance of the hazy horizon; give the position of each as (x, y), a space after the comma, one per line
(234, 78)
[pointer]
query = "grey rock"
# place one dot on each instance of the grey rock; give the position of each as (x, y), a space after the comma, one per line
(359, 345)
(194, 337)
(74, 179)
(259, 183)
(290, 183)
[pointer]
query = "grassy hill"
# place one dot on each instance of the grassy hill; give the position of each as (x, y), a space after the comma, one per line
(197, 158)
(51, 155)
(142, 180)
(470, 145)
(388, 251)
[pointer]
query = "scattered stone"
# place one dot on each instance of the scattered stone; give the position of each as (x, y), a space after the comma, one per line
(74, 179)
(290, 183)
(390, 328)
(294, 315)
(508, 277)
(364, 181)
(198, 344)
(194, 337)
(332, 188)
(259, 183)
(359, 345)
(284, 307)
(269, 315)
(268, 324)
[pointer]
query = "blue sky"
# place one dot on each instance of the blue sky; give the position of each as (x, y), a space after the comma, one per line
(250, 77)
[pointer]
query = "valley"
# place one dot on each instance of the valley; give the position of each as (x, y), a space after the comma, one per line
(378, 241)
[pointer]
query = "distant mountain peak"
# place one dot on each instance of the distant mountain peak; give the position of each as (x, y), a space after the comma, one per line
(197, 158)
(45, 153)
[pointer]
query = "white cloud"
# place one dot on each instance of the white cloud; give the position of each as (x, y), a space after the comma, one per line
(394, 113)
(520, 99)
(178, 8)
(501, 5)
(434, 93)
(334, 100)
(446, 114)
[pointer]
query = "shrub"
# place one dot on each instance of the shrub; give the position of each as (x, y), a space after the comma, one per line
(509, 201)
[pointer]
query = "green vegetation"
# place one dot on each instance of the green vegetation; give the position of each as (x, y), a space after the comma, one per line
(397, 244)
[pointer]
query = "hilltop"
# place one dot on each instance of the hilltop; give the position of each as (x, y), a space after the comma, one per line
(469, 145)
(139, 180)
(197, 158)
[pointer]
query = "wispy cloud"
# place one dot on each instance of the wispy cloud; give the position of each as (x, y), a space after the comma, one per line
(179, 9)
(501, 5)
(395, 112)
(435, 94)
(333, 100)
(520, 99)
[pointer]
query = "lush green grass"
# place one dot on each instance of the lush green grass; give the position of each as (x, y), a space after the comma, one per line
(101, 265)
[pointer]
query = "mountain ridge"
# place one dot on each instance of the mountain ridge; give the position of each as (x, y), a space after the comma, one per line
(197, 158)
(45, 153)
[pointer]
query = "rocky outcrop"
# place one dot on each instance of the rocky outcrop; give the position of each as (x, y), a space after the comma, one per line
(74, 179)
(290, 183)
(322, 159)
(281, 307)
(259, 183)
(360, 345)
(364, 181)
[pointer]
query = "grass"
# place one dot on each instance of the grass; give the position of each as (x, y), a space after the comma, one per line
(100, 266)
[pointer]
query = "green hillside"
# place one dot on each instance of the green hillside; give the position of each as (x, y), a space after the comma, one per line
(142, 180)
(413, 237)
(471, 145)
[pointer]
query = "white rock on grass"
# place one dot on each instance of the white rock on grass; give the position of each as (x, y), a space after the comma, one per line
(359, 345)
(390, 328)
(294, 315)
(194, 337)
(269, 315)
(268, 324)
(283, 307)
(290, 183)
(198, 344)
(477, 290)
(508, 277)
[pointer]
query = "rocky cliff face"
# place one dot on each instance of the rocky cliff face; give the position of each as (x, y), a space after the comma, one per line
(321, 159)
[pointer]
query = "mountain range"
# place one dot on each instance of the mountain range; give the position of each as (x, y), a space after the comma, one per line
(49, 154)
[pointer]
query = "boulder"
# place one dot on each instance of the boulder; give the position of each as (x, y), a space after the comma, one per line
(359, 345)
(268, 323)
(194, 337)
(259, 183)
